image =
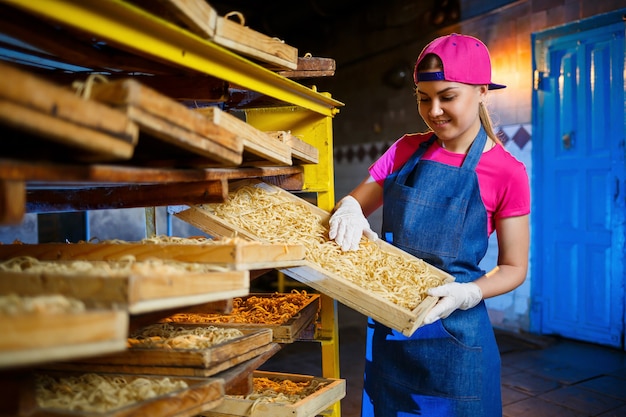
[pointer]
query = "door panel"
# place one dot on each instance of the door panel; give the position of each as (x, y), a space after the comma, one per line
(578, 162)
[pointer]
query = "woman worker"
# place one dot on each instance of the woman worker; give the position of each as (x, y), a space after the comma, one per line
(443, 193)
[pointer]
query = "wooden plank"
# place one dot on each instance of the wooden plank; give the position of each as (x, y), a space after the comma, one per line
(245, 41)
(222, 147)
(242, 256)
(190, 87)
(170, 121)
(195, 15)
(56, 174)
(12, 200)
(138, 321)
(310, 406)
(144, 288)
(311, 67)
(201, 394)
(114, 197)
(30, 339)
(300, 150)
(26, 90)
(238, 380)
(254, 141)
(188, 358)
(88, 144)
(178, 371)
(323, 280)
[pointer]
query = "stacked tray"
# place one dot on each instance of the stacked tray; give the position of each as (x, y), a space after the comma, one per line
(139, 287)
(288, 330)
(161, 276)
(59, 124)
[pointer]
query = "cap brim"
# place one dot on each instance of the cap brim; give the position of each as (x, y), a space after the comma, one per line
(493, 86)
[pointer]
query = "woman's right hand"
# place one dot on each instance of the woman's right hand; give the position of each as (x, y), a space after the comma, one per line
(348, 224)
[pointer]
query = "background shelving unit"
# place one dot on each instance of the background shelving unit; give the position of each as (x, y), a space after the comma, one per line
(146, 42)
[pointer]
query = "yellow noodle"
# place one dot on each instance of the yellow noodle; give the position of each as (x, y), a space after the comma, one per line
(275, 218)
(170, 337)
(13, 304)
(99, 393)
(121, 267)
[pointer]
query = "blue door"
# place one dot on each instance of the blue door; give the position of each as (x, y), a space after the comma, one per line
(578, 181)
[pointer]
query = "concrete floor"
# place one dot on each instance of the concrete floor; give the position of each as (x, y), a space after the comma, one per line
(541, 376)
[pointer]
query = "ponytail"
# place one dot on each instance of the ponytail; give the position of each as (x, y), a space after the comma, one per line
(485, 120)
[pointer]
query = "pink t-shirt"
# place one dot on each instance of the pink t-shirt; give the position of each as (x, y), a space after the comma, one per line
(503, 181)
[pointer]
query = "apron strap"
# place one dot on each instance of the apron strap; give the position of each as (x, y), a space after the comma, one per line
(403, 174)
(475, 151)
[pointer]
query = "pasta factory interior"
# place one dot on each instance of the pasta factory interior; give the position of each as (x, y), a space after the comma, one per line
(169, 173)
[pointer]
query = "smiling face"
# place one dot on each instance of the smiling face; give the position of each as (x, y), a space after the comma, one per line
(450, 109)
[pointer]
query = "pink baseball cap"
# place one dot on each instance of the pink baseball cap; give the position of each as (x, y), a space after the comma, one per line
(465, 60)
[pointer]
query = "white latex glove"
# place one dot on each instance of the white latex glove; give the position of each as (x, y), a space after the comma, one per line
(454, 295)
(348, 224)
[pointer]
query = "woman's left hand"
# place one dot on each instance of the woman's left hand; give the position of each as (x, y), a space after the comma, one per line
(454, 295)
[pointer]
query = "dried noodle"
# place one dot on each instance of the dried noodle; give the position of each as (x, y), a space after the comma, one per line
(169, 337)
(275, 218)
(98, 393)
(282, 391)
(121, 267)
(13, 304)
(271, 309)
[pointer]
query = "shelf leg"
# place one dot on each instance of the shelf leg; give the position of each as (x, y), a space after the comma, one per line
(150, 221)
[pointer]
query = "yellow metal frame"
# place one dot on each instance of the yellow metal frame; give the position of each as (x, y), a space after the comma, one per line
(307, 113)
(316, 130)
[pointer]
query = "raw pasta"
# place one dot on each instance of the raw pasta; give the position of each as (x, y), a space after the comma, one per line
(120, 267)
(271, 309)
(169, 337)
(13, 304)
(283, 391)
(99, 393)
(276, 219)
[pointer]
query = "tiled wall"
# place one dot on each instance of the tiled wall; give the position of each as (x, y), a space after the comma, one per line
(351, 163)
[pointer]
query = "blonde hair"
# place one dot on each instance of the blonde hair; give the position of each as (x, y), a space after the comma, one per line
(485, 120)
(432, 62)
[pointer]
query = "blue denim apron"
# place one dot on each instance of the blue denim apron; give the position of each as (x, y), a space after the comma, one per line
(450, 368)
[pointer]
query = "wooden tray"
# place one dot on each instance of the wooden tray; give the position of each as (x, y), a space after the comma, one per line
(161, 117)
(188, 358)
(322, 280)
(38, 338)
(245, 41)
(300, 150)
(238, 379)
(311, 67)
(196, 16)
(240, 256)
(183, 371)
(87, 129)
(255, 142)
(309, 406)
(202, 394)
(141, 290)
(287, 332)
